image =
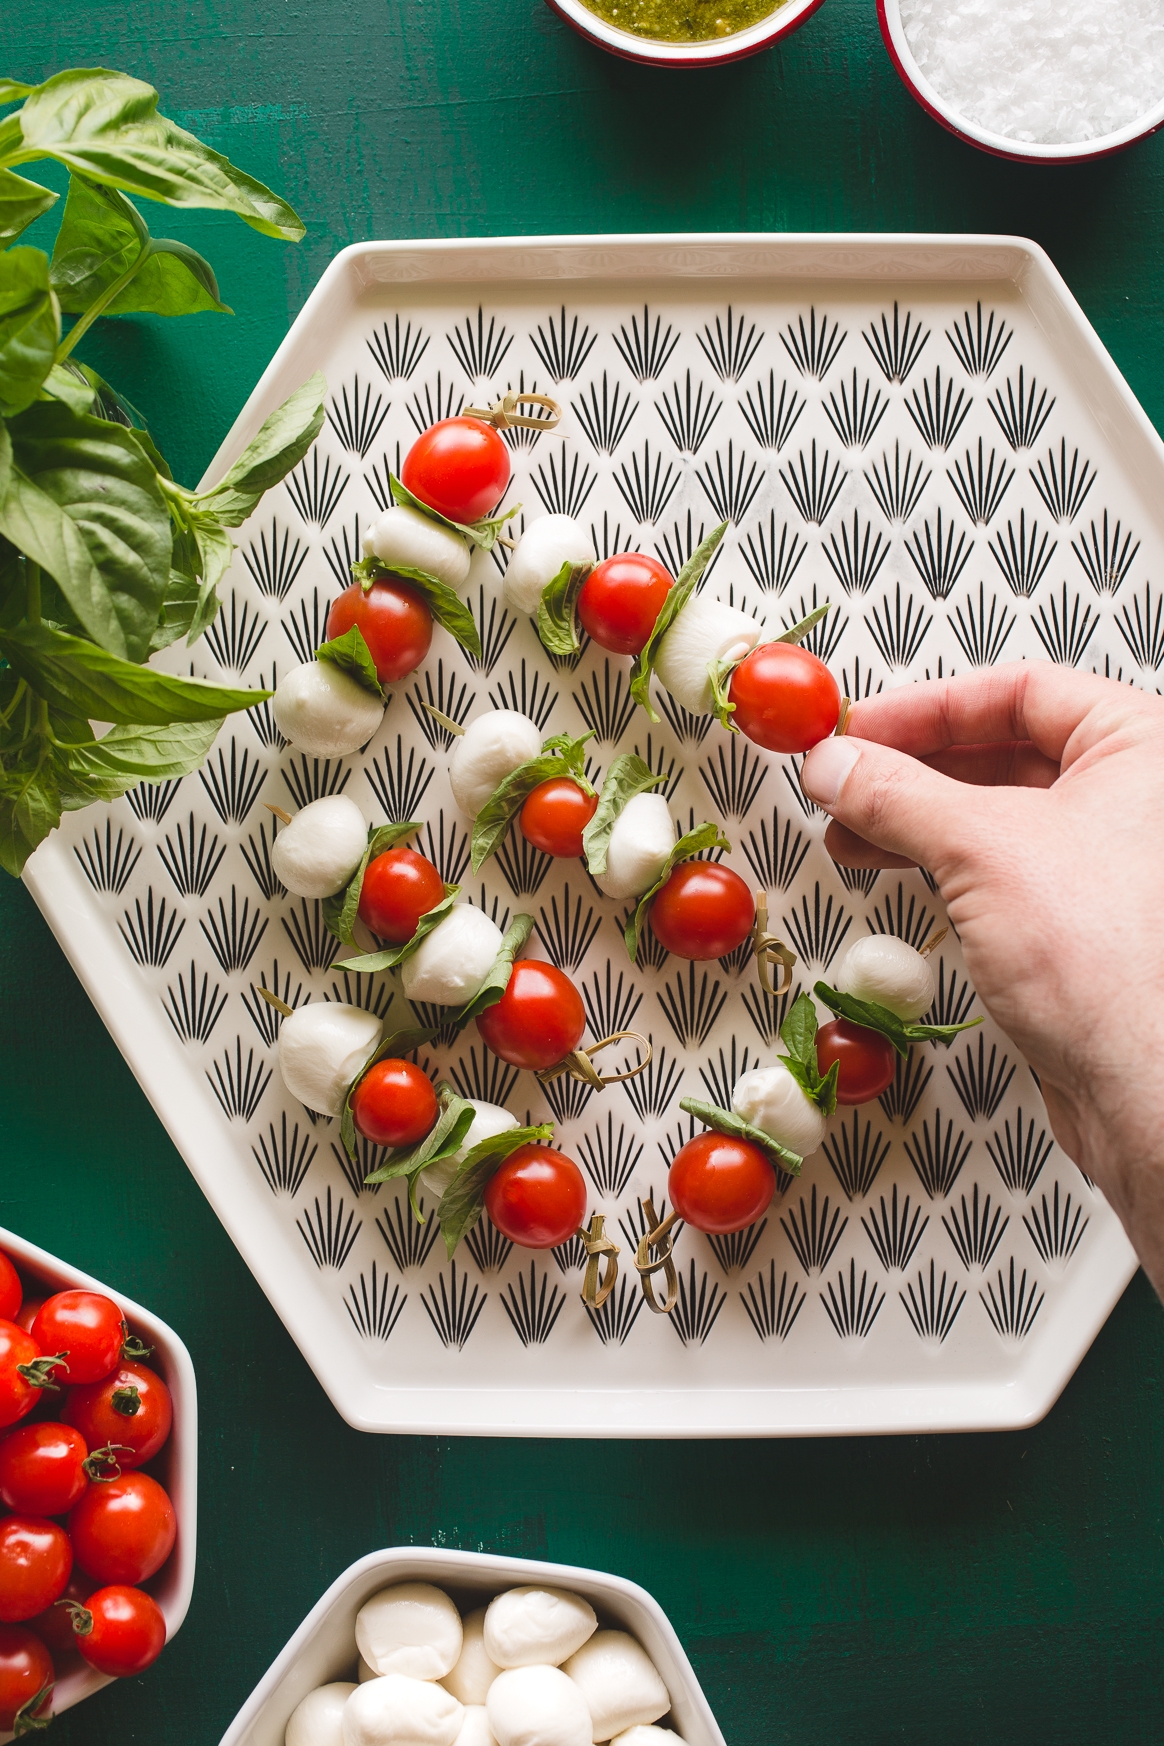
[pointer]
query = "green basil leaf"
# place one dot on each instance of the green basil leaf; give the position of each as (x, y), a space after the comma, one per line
(464, 1199)
(686, 583)
(30, 328)
(798, 1032)
(802, 627)
(102, 237)
(11, 90)
(557, 626)
(559, 756)
(392, 956)
(481, 533)
(20, 203)
(127, 755)
(281, 443)
(725, 1121)
(84, 502)
(719, 674)
(179, 609)
(65, 382)
(497, 981)
(78, 678)
(106, 126)
(440, 599)
(339, 912)
(29, 809)
(627, 776)
(401, 1042)
(455, 1118)
(879, 1018)
(704, 836)
(351, 653)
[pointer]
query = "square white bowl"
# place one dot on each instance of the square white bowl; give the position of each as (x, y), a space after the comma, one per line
(324, 1646)
(177, 1465)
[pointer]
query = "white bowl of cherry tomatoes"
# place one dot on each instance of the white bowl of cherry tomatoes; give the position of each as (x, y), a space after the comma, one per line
(98, 1467)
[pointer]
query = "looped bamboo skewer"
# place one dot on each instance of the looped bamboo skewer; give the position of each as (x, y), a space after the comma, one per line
(505, 416)
(597, 1244)
(657, 1237)
(579, 1063)
(843, 717)
(770, 949)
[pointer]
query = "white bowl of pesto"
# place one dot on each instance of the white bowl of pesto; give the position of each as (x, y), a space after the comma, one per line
(684, 33)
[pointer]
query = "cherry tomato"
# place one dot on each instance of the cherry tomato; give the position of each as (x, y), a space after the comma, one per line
(459, 467)
(785, 698)
(123, 1529)
(119, 1630)
(130, 1407)
(556, 814)
(86, 1327)
(718, 1184)
(868, 1060)
(538, 1020)
(35, 1561)
(11, 1290)
(394, 621)
(28, 1312)
(703, 911)
(26, 1670)
(537, 1198)
(620, 600)
(24, 1373)
(399, 887)
(394, 1104)
(41, 1472)
(54, 1626)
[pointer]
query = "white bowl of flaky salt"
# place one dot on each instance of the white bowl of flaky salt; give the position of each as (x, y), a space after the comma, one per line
(1053, 81)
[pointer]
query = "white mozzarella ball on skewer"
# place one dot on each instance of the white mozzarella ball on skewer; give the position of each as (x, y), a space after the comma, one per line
(317, 853)
(318, 1720)
(547, 544)
(619, 1681)
(490, 1119)
(475, 1729)
(410, 1628)
(397, 1710)
(640, 842)
(705, 631)
(528, 1626)
(400, 535)
(888, 972)
(647, 1735)
(771, 1100)
(451, 963)
(324, 712)
(490, 749)
(537, 1706)
(321, 1048)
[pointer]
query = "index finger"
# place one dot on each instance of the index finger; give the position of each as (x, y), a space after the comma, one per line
(1030, 701)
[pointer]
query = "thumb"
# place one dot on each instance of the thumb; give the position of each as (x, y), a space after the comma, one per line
(892, 800)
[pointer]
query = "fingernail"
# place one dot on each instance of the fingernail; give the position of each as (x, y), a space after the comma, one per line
(826, 768)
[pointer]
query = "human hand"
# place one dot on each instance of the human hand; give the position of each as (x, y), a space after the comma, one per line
(1034, 795)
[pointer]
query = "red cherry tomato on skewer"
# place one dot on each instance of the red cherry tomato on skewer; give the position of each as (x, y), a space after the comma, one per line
(399, 887)
(11, 1290)
(41, 1471)
(26, 1669)
(36, 1559)
(119, 1630)
(539, 1019)
(394, 621)
(703, 911)
(123, 1529)
(868, 1060)
(555, 815)
(458, 467)
(620, 600)
(786, 699)
(394, 1104)
(719, 1184)
(131, 1407)
(537, 1198)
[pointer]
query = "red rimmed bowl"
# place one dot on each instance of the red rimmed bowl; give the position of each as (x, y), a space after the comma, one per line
(716, 52)
(998, 144)
(176, 1467)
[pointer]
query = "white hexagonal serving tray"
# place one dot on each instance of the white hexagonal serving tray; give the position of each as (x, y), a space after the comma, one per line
(924, 430)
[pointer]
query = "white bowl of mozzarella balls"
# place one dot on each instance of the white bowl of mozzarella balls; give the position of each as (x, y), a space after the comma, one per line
(461, 1649)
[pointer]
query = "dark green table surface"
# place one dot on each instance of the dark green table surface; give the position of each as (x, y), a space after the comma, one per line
(987, 1588)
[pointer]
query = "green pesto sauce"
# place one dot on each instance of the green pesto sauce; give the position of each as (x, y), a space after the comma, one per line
(683, 20)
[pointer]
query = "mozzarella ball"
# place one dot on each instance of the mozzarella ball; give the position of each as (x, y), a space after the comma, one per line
(537, 1706)
(647, 1736)
(771, 1100)
(317, 1721)
(524, 1626)
(544, 547)
(640, 842)
(451, 963)
(619, 1681)
(400, 1711)
(475, 1729)
(324, 712)
(322, 1046)
(490, 749)
(490, 1119)
(705, 631)
(883, 969)
(405, 536)
(410, 1628)
(317, 853)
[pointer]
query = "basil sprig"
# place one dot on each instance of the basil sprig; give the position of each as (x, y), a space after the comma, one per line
(719, 673)
(560, 756)
(879, 1018)
(497, 981)
(455, 1116)
(725, 1121)
(704, 836)
(481, 533)
(340, 911)
(557, 622)
(464, 1199)
(391, 957)
(798, 1034)
(401, 1042)
(352, 654)
(445, 606)
(627, 776)
(686, 583)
